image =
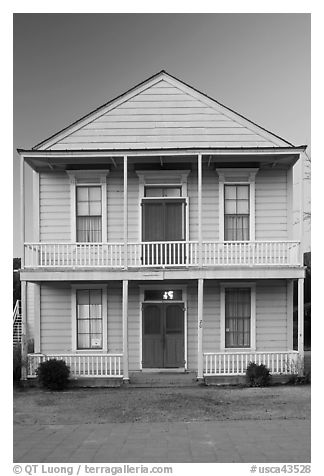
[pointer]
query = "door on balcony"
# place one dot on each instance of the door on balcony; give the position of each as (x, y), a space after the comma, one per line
(163, 224)
(163, 335)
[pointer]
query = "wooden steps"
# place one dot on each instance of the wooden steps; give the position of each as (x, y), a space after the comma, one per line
(162, 379)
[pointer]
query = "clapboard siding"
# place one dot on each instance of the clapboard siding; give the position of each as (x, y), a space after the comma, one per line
(54, 207)
(163, 115)
(271, 205)
(211, 332)
(56, 322)
(271, 316)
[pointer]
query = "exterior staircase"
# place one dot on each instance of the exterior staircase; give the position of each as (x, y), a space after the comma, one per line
(17, 323)
(162, 379)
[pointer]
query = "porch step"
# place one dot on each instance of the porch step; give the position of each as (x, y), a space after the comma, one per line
(162, 380)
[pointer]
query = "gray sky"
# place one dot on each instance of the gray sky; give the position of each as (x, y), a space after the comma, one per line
(65, 65)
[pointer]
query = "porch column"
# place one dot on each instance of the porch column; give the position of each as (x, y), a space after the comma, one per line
(125, 330)
(200, 208)
(200, 374)
(22, 210)
(125, 212)
(301, 324)
(23, 330)
(37, 343)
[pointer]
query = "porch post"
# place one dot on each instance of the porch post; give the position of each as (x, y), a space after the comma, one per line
(290, 314)
(23, 330)
(200, 374)
(125, 330)
(37, 343)
(200, 208)
(125, 212)
(22, 210)
(301, 324)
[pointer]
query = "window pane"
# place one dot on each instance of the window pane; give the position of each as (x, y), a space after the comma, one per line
(172, 192)
(95, 326)
(95, 194)
(95, 296)
(83, 326)
(242, 207)
(95, 208)
(89, 229)
(83, 208)
(82, 194)
(83, 341)
(230, 191)
(230, 207)
(153, 192)
(243, 192)
(83, 297)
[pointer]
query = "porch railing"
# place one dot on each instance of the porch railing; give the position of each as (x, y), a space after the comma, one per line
(162, 254)
(17, 324)
(81, 365)
(235, 363)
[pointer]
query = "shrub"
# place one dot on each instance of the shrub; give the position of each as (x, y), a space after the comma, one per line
(296, 379)
(258, 375)
(16, 362)
(53, 374)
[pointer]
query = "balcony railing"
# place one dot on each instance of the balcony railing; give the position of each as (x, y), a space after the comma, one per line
(161, 254)
(81, 365)
(235, 363)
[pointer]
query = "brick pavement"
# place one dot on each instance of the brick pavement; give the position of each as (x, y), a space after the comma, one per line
(250, 441)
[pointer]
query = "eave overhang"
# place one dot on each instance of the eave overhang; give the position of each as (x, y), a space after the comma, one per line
(63, 159)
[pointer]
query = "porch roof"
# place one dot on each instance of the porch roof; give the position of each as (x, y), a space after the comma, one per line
(62, 159)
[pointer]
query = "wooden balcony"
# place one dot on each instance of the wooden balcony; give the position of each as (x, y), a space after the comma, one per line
(235, 363)
(168, 254)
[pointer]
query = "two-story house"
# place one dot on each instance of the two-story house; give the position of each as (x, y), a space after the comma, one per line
(163, 239)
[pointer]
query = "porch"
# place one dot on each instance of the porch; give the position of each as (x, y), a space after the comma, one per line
(215, 363)
(161, 254)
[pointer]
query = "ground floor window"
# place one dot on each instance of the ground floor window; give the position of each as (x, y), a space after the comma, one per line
(237, 317)
(89, 318)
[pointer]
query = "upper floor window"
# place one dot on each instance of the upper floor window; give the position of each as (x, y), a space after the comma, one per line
(236, 212)
(237, 203)
(89, 214)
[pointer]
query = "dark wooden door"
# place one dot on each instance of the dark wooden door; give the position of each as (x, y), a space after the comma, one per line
(163, 335)
(163, 221)
(173, 335)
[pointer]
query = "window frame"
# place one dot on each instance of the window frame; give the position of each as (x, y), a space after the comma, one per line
(236, 215)
(236, 176)
(164, 178)
(104, 304)
(88, 178)
(242, 285)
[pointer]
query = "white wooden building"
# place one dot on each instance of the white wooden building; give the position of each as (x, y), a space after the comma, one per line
(163, 239)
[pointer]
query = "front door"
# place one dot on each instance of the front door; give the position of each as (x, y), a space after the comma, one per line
(163, 335)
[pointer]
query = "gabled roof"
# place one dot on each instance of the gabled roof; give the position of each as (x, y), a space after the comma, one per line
(161, 112)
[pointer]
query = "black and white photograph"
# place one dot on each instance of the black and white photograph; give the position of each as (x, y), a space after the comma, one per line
(161, 242)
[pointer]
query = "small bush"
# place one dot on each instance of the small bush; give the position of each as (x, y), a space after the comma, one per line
(16, 362)
(53, 374)
(258, 375)
(300, 379)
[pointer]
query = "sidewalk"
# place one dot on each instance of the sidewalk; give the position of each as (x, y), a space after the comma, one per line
(250, 441)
